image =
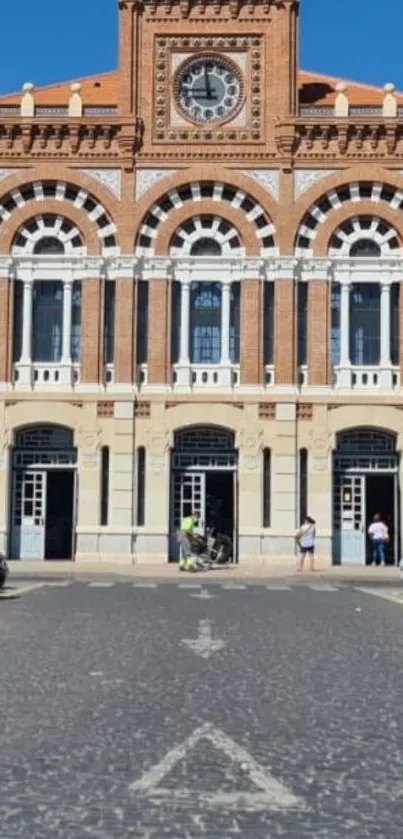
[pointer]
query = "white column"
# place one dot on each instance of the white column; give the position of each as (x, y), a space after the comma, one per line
(185, 321)
(225, 371)
(385, 362)
(182, 369)
(24, 365)
(345, 325)
(66, 373)
(26, 353)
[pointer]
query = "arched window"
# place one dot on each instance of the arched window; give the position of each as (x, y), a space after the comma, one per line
(205, 323)
(48, 246)
(365, 248)
(206, 247)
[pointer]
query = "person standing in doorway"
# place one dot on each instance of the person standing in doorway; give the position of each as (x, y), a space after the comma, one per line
(379, 536)
(305, 539)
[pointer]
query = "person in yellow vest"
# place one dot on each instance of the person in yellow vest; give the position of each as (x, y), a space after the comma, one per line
(186, 538)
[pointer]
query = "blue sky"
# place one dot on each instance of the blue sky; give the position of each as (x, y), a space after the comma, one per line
(44, 41)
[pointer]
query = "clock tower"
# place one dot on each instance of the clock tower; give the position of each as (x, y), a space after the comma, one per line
(207, 77)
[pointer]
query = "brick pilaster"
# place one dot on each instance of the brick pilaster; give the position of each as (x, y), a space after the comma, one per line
(158, 354)
(91, 330)
(285, 332)
(251, 332)
(318, 332)
(125, 329)
(401, 330)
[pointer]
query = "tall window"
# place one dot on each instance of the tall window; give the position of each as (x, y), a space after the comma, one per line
(205, 323)
(365, 323)
(303, 483)
(335, 323)
(268, 326)
(47, 321)
(76, 323)
(141, 486)
(302, 304)
(235, 323)
(394, 322)
(18, 318)
(175, 321)
(109, 342)
(104, 485)
(266, 487)
(142, 322)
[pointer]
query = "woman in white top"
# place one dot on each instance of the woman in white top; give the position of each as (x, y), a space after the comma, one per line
(379, 536)
(305, 539)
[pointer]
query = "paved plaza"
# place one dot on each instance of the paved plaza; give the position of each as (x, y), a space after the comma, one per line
(191, 708)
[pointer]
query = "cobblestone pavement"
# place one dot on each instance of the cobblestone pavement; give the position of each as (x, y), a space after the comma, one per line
(214, 711)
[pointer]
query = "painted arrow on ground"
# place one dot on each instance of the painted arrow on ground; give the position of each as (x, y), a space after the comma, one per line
(204, 645)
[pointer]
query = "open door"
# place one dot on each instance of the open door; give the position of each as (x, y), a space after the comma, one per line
(188, 495)
(235, 556)
(29, 515)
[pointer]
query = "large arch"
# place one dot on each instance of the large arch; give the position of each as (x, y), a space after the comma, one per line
(35, 232)
(384, 418)
(339, 180)
(179, 216)
(208, 197)
(22, 216)
(40, 196)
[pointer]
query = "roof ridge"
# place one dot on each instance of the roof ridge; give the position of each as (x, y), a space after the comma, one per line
(343, 79)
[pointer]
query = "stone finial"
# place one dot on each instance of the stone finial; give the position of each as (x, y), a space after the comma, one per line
(389, 101)
(27, 100)
(75, 101)
(341, 105)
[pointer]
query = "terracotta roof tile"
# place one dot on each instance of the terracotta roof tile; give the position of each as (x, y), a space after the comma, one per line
(101, 90)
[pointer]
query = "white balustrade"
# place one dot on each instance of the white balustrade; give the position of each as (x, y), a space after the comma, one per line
(367, 378)
(208, 376)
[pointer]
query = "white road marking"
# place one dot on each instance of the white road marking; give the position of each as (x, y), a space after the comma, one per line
(394, 595)
(233, 587)
(190, 586)
(322, 587)
(204, 645)
(203, 595)
(270, 794)
(59, 583)
(101, 584)
(278, 588)
(144, 585)
(16, 591)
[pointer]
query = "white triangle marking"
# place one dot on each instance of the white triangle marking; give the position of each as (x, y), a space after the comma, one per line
(270, 794)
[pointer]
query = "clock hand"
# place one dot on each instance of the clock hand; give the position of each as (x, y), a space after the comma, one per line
(208, 85)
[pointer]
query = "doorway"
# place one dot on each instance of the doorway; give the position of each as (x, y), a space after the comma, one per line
(380, 497)
(59, 514)
(220, 502)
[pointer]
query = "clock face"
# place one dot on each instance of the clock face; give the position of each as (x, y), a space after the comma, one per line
(209, 89)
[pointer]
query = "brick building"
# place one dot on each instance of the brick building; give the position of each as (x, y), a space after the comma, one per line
(200, 277)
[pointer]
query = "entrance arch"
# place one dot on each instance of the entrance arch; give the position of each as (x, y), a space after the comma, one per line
(365, 482)
(204, 479)
(44, 488)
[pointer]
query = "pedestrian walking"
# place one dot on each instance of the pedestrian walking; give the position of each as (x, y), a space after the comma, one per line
(379, 536)
(186, 542)
(305, 538)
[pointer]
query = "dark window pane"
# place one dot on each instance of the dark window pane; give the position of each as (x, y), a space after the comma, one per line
(48, 246)
(303, 484)
(76, 323)
(141, 486)
(302, 303)
(365, 248)
(266, 488)
(394, 323)
(109, 342)
(335, 323)
(235, 323)
(47, 321)
(18, 315)
(365, 323)
(205, 323)
(268, 327)
(142, 322)
(104, 485)
(175, 321)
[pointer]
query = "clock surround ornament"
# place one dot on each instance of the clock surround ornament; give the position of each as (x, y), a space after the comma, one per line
(209, 89)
